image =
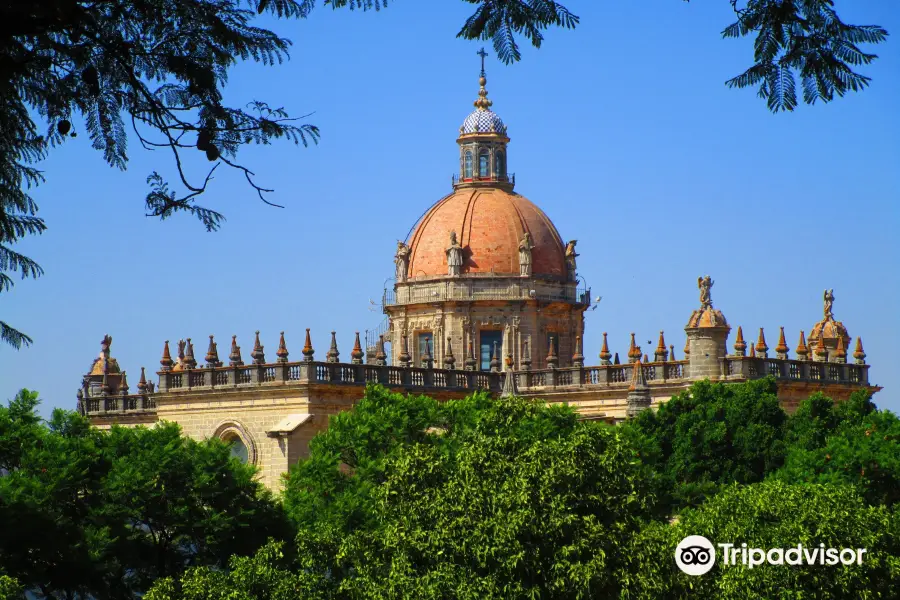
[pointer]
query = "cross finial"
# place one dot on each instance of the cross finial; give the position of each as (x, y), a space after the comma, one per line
(483, 55)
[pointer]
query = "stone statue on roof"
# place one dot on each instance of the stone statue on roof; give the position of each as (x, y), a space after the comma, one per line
(570, 259)
(705, 284)
(828, 298)
(454, 256)
(525, 248)
(401, 259)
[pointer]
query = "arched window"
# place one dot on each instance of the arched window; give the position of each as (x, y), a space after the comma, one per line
(238, 448)
(239, 441)
(484, 163)
(468, 169)
(499, 165)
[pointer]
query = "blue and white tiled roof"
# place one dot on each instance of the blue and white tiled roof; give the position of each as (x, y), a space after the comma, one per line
(483, 121)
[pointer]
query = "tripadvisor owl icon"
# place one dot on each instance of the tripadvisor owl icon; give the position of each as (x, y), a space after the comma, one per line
(695, 555)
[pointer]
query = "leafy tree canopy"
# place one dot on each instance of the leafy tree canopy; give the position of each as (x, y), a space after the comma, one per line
(158, 68)
(773, 514)
(479, 498)
(9, 588)
(713, 434)
(476, 498)
(87, 513)
(269, 574)
(848, 443)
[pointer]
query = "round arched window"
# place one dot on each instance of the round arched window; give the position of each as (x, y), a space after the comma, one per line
(239, 440)
(239, 449)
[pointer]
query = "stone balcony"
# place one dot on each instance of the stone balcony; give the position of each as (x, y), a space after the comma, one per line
(747, 367)
(612, 378)
(484, 287)
(597, 377)
(113, 404)
(410, 378)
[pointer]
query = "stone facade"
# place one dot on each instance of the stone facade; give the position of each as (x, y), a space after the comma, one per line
(500, 308)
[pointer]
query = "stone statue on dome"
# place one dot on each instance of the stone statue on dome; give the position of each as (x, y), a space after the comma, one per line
(402, 261)
(570, 259)
(454, 256)
(829, 303)
(705, 284)
(525, 248)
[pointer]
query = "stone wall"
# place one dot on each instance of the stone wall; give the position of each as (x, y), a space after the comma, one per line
(487, 304)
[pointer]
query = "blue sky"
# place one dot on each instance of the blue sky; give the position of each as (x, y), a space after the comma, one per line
(622, 131)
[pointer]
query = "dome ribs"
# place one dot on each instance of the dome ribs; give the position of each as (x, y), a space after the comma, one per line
(420, 227)
(489, 223)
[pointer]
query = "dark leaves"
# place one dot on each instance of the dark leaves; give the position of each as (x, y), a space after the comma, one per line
(806, 38)
(502, 20)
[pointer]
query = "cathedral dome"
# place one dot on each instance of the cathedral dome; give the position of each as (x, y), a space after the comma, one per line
(483, 121)
(489, 222)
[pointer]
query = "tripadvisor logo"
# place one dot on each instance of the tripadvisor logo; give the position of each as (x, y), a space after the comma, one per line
(696, 555)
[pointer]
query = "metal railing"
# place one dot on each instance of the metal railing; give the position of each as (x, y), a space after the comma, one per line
(372, 335)
(492, 178)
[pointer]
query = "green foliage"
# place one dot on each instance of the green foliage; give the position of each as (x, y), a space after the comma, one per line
(502, 20)
(10, 588)
(769, 515)
(157, 65)
(267, 575)
(408, 497)
(805, 38)
(850, 443)
(104, 514)
(473, 498)
(19, 427)
(713, 434)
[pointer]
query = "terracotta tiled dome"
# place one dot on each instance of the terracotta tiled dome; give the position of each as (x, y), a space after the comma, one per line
(489, 224)
(831, 329)
(707, 317)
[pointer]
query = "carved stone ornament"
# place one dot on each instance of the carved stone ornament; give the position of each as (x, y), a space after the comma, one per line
(525, 248)
(828, 299)
(401, 259)
(454, 256)
(705, 284)
(570, 259)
